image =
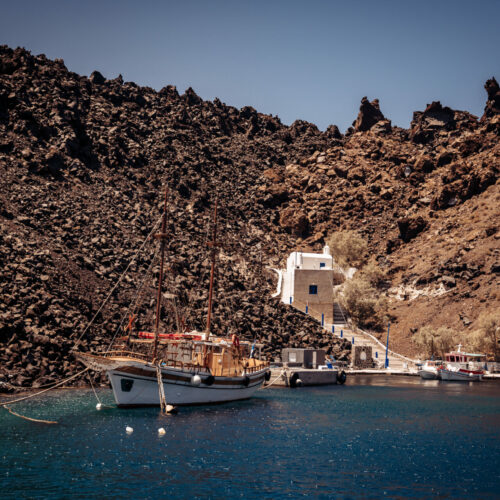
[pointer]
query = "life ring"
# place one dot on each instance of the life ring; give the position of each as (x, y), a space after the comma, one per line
(293, 380)
(267, 376)
(209, 380)
(246, 381)
(341, 377)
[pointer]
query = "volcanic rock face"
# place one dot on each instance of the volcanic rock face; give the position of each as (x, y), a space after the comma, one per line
(83, 163)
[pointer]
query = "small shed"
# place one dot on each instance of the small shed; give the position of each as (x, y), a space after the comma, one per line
(304, 358)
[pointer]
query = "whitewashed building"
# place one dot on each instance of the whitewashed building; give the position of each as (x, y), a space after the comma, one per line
(308, 282)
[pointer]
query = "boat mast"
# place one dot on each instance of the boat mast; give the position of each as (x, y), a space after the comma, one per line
(162, 236)
(213, 245)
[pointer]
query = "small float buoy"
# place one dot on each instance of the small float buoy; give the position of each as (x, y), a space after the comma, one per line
(129, 430)
(299, 382)
(195, 380)
(171, 409)
(161, 431)
(98, 406)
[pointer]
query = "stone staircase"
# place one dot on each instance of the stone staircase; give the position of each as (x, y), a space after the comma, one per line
(340, 328)
(339, 315)
(357, 338)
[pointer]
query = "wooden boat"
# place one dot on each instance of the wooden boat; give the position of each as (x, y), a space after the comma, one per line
(181, 368)
(462, 366)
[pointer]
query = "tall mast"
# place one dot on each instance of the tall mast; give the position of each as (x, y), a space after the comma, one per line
(162, 236)
(213, 245)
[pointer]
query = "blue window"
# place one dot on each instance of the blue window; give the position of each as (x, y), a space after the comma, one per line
(322, 264)
(313, 289)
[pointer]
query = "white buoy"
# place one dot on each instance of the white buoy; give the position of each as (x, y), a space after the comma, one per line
(129, 430)
(98, 406)
(195, 380)
(171, 409)
(161, 431)
(299, 382)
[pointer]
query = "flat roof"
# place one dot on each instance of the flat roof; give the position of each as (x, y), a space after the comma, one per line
(304, 254)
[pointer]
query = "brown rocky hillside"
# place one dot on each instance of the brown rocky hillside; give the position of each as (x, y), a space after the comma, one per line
(82, 165)
(426, 199)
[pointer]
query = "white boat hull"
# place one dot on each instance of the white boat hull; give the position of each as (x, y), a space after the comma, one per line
(134, 386)
(459, 376)
(427, 374)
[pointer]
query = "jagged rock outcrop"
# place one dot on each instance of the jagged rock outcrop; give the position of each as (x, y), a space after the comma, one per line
(369, 115)
(436, 118)
(410, 227)
(492, 108)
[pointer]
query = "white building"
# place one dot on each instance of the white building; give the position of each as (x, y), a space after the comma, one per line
(308, 282)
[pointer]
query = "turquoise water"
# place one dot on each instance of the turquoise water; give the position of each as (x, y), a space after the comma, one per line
(396, 437)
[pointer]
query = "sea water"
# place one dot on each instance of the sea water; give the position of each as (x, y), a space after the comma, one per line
(378, 437)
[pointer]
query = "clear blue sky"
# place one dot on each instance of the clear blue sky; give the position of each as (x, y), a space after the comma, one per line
(308, 59)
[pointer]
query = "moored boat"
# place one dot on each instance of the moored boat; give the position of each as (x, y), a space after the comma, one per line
(180, 368)
(462, 366)
(221, 375)
(431, 370)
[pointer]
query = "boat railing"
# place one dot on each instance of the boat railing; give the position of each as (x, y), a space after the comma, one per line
(125, 354)
(169, 358)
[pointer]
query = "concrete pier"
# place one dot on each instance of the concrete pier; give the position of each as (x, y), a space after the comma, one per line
(294, 377)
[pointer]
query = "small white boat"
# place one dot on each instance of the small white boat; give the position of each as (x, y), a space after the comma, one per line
(431, 370)
(462, 366)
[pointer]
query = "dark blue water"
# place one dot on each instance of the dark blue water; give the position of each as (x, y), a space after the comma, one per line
(394, 438)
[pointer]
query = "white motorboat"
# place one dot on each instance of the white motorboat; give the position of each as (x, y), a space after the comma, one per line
(431, 370)
(462, 366)
(452, 373)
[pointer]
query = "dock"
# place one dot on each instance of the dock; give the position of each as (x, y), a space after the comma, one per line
(298, 376)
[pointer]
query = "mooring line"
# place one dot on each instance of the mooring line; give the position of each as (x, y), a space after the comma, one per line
(100, 406)
(269, 385)
(38, 421)
(4, 403)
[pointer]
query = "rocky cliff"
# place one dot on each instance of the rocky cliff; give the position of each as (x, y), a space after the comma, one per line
(83, 161)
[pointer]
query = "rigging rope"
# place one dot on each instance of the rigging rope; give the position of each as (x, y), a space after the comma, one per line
(138, 297)
(161, 390)
(117, 283)
(100, 405)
